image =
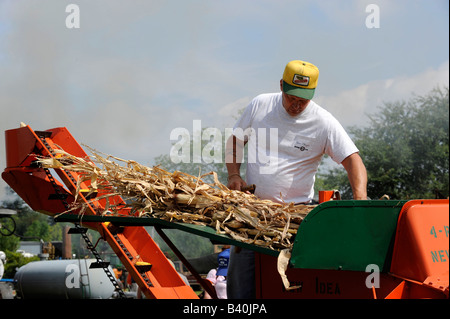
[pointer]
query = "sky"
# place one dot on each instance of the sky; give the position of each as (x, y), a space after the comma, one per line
(133, 71)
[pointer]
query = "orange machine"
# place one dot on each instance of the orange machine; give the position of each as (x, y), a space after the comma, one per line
(146, 263)
(343, 249)
(379, 249)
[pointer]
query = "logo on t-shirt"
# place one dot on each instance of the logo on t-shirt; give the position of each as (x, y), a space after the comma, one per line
(301, 80)
(301, 146)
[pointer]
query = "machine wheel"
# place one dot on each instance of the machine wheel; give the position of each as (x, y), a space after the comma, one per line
(7, 225)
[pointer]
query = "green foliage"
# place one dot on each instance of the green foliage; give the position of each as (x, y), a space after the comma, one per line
(333, 179)
(9, 242)
(14, 261)
(405, 149)
(30, 225)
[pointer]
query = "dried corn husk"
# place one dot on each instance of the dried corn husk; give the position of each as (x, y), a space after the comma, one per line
(181, 197)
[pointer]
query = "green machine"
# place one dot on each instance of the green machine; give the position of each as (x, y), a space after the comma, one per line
(347, 235)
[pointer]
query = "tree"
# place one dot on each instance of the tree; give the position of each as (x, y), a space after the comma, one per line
(15, 261)
(405, 149)
(30, 225)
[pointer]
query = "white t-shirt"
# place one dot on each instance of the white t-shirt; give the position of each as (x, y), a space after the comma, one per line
(284, 152)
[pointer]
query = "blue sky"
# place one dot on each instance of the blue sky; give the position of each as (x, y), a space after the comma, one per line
(135, 70)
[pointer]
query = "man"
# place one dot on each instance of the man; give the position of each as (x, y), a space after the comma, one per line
(287, 135)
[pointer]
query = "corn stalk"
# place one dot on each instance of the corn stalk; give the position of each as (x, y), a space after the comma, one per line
(180, 197)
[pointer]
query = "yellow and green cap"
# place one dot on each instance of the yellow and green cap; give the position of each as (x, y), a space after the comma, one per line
(300, 79)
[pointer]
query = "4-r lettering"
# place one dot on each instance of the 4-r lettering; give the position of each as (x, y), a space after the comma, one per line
(434, 233)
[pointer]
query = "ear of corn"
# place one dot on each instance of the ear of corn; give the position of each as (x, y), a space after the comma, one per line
(180, 197)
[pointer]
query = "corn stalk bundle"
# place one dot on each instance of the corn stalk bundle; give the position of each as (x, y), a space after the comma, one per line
(180, 197)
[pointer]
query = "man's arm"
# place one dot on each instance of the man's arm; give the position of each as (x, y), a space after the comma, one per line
(357, 175)
(233, 159)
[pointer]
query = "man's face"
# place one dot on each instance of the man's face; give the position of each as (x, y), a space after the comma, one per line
(292, 104)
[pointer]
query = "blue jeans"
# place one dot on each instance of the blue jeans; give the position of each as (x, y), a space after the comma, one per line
(241, 274)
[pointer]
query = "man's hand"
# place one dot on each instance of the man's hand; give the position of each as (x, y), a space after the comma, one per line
(357, 175)
(235, 182)
(233, 159)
